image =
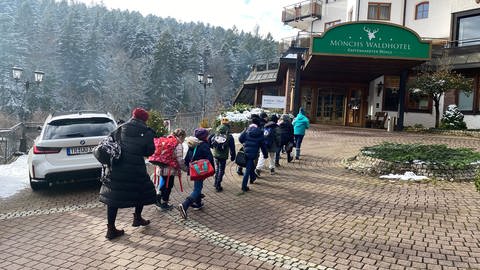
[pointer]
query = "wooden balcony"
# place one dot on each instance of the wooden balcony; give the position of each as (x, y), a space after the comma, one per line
(306, 10)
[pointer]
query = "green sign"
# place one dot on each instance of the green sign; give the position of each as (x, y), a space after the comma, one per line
(371, 39)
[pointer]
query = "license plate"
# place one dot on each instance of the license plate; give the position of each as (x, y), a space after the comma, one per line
(81, 150)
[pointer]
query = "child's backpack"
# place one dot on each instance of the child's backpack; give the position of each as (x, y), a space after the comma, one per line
(219, 141)
(268, 134)
(164, 152)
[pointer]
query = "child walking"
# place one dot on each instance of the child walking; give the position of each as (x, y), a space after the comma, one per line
(198, 148)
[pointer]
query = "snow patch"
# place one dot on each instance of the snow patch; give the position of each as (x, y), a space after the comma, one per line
(405, 177)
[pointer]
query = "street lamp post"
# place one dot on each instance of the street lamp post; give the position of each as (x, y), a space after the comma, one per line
(206, 82)
(38, 77)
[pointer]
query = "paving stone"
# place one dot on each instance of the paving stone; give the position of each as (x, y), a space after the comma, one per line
(315, 214)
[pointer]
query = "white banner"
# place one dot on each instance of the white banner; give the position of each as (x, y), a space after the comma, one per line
(273, 102)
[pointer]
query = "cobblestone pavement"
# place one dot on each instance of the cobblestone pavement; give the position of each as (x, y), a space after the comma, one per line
(312, 214)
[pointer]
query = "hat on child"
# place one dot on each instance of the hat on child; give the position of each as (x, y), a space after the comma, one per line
(224, 121)
(274, 118)
(201, 133)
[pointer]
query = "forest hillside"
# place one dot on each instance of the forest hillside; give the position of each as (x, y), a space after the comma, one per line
(100, 59)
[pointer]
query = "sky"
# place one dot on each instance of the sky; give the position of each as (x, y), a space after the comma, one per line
(244, 14)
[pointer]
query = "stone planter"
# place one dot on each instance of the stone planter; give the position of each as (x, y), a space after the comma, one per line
(376, 167)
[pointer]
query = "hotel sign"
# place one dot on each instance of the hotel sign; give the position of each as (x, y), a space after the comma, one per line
(371, 39)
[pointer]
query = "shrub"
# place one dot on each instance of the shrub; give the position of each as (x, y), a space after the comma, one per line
(453, 119)
(431, 154)
(240, 107)
(477, 181)
(155, 122)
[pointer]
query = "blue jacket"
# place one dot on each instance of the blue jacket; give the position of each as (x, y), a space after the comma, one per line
(300, 124)
(253, 140)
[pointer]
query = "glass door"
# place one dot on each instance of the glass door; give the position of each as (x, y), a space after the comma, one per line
(330, 106)
(354, 107)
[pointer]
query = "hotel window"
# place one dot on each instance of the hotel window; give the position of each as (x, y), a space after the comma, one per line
(330, 24)
(390, 96)
(421, 10)
(418, 103)
(465, 29)
(379, 11)
(465, 101)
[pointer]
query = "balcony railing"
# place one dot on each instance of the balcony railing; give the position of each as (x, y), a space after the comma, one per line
(302, 39)
(302, 10)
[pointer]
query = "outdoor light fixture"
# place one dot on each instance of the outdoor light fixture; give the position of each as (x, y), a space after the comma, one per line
(38, 78)
(379, 88)
(207, 82)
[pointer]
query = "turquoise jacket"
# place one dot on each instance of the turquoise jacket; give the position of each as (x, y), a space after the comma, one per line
(300, 124)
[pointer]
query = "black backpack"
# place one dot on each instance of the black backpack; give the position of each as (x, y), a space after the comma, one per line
(107, 152)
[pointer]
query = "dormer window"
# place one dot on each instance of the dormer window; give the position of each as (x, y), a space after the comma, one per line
(421, 10)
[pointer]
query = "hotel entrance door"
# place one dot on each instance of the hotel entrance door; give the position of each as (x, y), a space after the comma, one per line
(355, 108)
(331, 106)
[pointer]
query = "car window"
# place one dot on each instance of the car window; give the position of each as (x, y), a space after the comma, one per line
(76, 128)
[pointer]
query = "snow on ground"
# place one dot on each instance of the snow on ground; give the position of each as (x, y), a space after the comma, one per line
(407, 176)
(13, 177)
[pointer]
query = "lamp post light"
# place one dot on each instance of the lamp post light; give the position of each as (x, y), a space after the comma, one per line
(206, 82)
(38, 78)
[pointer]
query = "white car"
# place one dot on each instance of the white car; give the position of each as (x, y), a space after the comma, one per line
(63, 151)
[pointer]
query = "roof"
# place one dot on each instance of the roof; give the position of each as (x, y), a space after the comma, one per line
(262, 76)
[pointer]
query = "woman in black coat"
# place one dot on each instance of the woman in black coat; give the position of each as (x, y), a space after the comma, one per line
(129, 184)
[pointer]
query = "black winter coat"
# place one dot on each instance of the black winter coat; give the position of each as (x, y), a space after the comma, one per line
(286, 132)
(276, 139)
(129, 184)
(253, 140)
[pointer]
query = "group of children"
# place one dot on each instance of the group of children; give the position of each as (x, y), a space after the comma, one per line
(128, 184)
(264, 139)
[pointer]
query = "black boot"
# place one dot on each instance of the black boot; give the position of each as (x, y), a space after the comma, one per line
(112, 232)
(239, 170)
(159, 201)
(139, 221)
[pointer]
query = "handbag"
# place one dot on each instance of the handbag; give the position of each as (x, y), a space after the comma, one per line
(200, 169)
(241, 158)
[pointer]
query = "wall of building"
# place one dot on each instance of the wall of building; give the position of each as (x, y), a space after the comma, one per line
(438, 15)
(331, 11)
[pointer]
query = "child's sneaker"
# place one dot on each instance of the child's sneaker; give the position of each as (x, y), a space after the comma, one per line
(165, 206)
(272, 171)
(182, 211)
(196, 207)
